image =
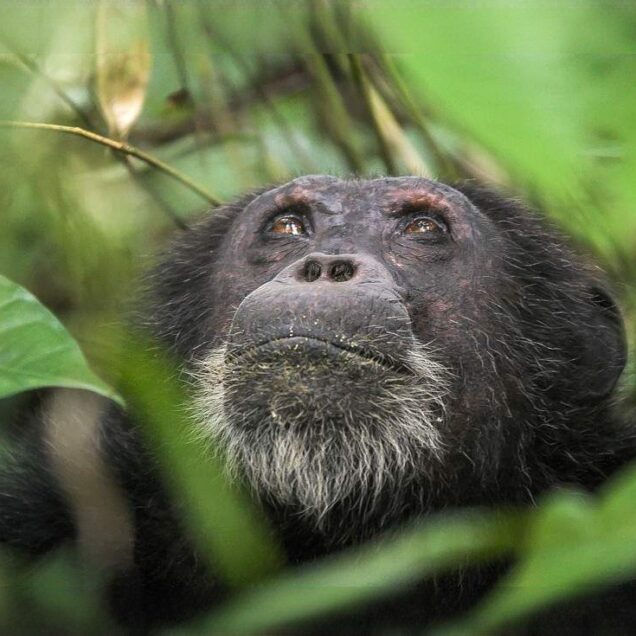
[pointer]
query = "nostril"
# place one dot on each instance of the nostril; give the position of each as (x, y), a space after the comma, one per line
(341, 271)
(312, 271)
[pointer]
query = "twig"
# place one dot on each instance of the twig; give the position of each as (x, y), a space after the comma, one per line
(175, 46)
(257, 86)
(32, 67)
(138, 178)
(122, 147)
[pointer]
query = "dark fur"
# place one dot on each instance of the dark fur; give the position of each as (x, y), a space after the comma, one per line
(551, 348)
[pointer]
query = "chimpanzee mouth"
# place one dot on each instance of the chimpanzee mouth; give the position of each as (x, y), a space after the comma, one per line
(314, 347)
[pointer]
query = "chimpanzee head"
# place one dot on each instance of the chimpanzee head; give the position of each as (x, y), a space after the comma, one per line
(389, 345)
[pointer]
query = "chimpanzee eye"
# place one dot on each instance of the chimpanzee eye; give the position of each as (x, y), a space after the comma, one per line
(426, 225)
(288, 225)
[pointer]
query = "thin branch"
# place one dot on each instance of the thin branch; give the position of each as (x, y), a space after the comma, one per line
(121, 147)
(32, 67)
(138, 178)
(176, 49)
(336, 118)
(392, 138)
(217, 35)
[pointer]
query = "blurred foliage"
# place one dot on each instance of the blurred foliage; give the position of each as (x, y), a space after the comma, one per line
(200, 101)
(227, 528)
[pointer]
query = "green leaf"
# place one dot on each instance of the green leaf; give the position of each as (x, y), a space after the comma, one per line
(575, 545)
(499, 73)
(367, 573)
(226, 526)
(36, 350)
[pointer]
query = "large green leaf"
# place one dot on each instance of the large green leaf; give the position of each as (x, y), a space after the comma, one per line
(36, 350)
(368, 573)
(576, 544)
(223, 521)
(544, 87)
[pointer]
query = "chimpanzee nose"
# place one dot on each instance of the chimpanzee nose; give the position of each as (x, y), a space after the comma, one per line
(361, 271)
(337, 269)
(326, 297)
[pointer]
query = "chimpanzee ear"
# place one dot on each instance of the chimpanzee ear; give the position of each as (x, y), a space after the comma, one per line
(603, 347)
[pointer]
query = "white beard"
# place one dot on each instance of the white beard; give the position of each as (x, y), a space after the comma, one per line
(312, 453)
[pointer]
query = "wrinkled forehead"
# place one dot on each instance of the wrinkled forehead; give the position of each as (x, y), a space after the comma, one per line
(334, 195)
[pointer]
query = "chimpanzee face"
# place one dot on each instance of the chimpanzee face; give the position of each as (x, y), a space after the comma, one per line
(416, 240)
(360, 344)
(341, 304)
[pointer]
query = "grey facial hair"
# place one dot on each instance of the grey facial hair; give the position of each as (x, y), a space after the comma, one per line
(313, 468)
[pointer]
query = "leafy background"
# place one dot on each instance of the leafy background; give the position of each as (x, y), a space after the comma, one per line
(148, 113)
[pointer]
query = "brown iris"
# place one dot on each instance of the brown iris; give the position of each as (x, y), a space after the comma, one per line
(425, 225)
(288, 225)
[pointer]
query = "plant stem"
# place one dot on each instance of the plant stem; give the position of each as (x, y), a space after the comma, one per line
(121, 147)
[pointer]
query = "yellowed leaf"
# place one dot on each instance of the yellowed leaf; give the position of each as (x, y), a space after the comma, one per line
(123, 63)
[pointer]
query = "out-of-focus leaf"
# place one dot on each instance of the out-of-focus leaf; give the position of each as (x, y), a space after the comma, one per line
(64, 597)
(575, 545)
(122, 63)
(542, 87)
(368, 573)
(618, 509)
(498, 72)
(396, 137)
(225, 525)
(35, 349)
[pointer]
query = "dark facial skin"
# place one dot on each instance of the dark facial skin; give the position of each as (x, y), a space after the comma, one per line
(427, 282)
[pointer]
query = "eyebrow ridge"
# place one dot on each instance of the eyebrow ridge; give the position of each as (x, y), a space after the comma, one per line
(290, 199)
(412, 200)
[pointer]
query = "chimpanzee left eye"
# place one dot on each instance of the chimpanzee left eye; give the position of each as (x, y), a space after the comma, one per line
(288, 225)
(426, 225)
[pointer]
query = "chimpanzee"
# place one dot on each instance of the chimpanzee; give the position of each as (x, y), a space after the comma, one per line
(364, 352)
